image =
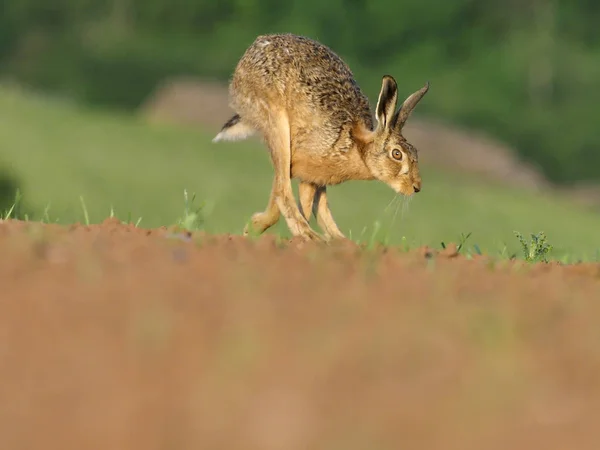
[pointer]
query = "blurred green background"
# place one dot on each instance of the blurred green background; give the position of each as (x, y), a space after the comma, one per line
(526, 73)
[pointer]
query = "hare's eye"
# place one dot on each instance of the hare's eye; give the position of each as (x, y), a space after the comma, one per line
(397, 154)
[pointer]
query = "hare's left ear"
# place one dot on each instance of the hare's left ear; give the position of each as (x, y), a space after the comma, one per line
(386, 104)
(407, 107)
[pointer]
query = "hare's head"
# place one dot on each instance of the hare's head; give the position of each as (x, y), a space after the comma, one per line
(387, 154)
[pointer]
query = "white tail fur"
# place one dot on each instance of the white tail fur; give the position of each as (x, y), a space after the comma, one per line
(234, 130)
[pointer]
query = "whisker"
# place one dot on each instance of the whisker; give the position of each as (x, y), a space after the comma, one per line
(405, 207)
(410, 199)
(396, 211)
(392, 203)
(394, 198)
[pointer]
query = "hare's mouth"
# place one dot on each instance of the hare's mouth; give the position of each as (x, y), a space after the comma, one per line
(402, 188)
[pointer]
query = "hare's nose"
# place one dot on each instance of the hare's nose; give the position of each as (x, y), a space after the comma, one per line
(417, 187)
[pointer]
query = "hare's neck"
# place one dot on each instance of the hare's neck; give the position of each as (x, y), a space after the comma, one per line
(356, 168)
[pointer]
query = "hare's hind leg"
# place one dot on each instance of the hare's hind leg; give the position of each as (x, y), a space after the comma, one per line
(306, 192)
(313, 199)
(324, 217)
(278, 140)
(262, 221)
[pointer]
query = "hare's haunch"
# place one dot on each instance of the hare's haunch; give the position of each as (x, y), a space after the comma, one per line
(303, 100)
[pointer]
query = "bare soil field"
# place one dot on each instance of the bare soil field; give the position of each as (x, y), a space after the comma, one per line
(115, 337)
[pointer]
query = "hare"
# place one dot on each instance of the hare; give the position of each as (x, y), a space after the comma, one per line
(318, 126)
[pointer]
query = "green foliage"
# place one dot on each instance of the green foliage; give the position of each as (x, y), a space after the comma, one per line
(14, 211)
(86, 215)
(528, 74)
(535, 250)
(17, 210)
(192, 218)
(461, 243)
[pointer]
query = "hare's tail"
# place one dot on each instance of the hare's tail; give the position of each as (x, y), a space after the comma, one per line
(235, 129)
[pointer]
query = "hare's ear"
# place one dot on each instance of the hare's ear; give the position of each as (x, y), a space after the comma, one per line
(408, 106)
(386, 104)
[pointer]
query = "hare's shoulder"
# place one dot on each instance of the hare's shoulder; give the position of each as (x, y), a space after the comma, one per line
(336, 102)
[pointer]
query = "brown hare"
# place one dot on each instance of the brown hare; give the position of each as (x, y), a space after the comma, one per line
(304, 101)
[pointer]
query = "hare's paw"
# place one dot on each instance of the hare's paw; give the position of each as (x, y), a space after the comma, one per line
(261, 221)
(308, 234)
(332, 235)
(313, 236)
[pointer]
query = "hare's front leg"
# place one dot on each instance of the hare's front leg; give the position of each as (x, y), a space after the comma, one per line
(313, 198)
(278, 139)
(262, 221)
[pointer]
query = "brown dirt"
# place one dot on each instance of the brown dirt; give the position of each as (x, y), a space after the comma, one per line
(114, 337)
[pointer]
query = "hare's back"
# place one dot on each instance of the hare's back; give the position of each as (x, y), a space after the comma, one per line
(300, 70)
(292, 53)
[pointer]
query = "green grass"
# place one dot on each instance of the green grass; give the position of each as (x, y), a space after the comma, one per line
(77, 165)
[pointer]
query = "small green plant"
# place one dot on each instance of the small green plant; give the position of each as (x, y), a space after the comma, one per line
(193, 217)
(14, 212)
(535, 250)
(373, 240)
(461, 242)
(404, 246)
(129, 220)
(46, 214)
(504, 254)
(86, 216)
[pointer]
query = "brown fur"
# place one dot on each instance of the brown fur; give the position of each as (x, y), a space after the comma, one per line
(304, 101)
